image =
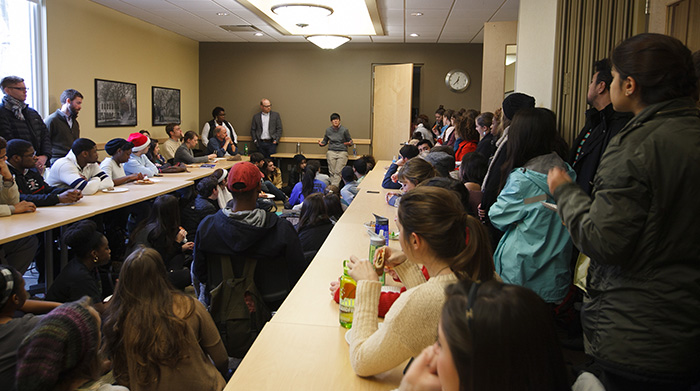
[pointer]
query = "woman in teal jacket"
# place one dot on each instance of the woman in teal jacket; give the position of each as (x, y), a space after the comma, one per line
(535, 251)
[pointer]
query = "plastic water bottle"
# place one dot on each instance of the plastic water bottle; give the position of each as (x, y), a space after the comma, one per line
(354, 149)
(245, 149)
(346, 297)
(376, 241)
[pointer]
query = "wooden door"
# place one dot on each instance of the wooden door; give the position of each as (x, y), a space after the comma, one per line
(391, 109)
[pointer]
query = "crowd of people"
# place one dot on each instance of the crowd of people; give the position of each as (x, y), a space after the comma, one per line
(495, 213)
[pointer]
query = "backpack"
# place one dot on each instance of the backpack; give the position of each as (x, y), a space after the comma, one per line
(237, 307)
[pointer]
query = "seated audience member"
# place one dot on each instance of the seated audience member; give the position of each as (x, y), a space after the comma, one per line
(62, 351)
(119, 151)
(319, 175)
(161, 231)
(221, 144)
(79, 169)
(80, 277)
(413, 172)
(241, 231)
(205, 204)
(21, 160)
(535, 250)
(272, 173)
(295, 173)
(160, 162)
(468, 138)
(424, 146)
(334, 207)
(14, 298)
(224, 195)
(184, 152)
(442, 159)
(219, 119)
(437, 233)
(258, 160)
(487, 143)
(349, 190)
(485, 326)
(314, 224)
(146, 133)
(309, 184)
(472, 172)
(406, 153)
(454, 185)
(157, 337)
(422, 125)
(437, 127)
(138, 161)
(173, 142)
(370, 160)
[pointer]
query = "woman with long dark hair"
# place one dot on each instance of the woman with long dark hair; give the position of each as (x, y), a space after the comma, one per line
(639, 225)
(535, 250)
(157, 337)
(438, 233)
(161, 231)
(309, 184)
(314, 223)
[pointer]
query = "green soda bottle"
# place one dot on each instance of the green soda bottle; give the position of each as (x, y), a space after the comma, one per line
(347, 297)
(245, 149)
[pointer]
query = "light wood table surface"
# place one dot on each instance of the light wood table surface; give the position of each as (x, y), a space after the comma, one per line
(301, 357)
(309, 156)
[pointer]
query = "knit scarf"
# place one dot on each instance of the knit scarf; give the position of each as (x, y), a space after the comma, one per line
(15, 106)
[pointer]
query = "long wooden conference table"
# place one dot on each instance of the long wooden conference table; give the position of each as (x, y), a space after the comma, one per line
(46, 218)
(303, 346)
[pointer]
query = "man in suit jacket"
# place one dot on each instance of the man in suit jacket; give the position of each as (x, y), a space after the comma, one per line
(266, 129)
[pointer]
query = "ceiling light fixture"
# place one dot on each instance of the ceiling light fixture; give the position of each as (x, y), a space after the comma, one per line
(259, 34)
(414, 35)
(221, 14)
(302, 11)
(327, 41)
(416, 14)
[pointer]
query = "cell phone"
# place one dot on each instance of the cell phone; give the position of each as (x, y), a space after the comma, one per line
(373, 191)
(550, 206)
(208, 165)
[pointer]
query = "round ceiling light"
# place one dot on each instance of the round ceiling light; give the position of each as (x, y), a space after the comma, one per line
(302, 11)
(328, 41)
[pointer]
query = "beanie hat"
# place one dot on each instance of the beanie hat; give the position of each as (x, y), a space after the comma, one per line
(60, 342)
(117, 144)
(443, 162)
(516, 101)
(141, 141)
(244, 176)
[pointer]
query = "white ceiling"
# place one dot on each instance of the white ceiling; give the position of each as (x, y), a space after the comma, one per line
(443, 21)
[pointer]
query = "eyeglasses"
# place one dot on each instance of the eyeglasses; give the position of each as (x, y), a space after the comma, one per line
(266, 106)
(29, 154)
(25, 89)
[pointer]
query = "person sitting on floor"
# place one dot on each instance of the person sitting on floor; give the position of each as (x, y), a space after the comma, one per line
(205, 204)
(79, 169)
(21, 160)
(119, 151)
(308, 185)
(258, 160)
(349, 190)
(184, 152)
(314, 224)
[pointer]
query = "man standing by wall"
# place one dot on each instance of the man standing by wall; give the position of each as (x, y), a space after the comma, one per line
(63, 124)
(17, 120)
(338, 140)
(602, 124)
(266, 129)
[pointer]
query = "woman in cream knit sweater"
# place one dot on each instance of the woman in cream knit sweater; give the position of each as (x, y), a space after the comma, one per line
(452, 245)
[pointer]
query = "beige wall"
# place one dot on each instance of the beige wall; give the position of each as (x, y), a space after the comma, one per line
(496, 36)
(88, 41)
(306, 84)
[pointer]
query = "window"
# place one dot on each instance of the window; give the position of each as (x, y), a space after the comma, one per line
(22, 47)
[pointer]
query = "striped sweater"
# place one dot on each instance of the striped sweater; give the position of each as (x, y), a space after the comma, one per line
(66, 173)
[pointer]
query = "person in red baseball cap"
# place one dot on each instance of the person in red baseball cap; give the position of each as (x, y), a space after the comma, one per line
(139, 162)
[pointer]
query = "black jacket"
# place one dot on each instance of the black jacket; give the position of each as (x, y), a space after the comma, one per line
(32, 129)
(275, 246)
(33, 188)
(313, 236)
(604, 125)
(193, 213)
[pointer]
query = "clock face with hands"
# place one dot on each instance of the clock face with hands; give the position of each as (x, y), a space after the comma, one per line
(457, 80)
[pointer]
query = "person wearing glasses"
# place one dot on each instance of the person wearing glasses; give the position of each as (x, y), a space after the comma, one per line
(219, 115)
(266, 129)
(17, 120)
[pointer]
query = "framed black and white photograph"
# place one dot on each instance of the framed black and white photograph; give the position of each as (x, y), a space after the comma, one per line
(166, 105)
(115, 103)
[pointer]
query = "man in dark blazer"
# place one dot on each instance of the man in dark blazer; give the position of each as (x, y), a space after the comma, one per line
(266, 129)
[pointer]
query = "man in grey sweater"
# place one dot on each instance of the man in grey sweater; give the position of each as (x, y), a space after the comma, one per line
(338, 139)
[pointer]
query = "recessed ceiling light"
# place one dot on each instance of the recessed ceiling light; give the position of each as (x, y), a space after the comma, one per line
(414, 35)
(259, 34)
(416, 14)
(222, 14)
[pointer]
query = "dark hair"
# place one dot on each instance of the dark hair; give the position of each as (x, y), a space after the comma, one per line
(16, 282)
(169, 128)
(70, 94)
(370, 160)
(471, 113)
(335, 116)
(661, 66)
(423, 119)
(216, 111)
(466, 129)
(473, 168)
(424, 141)
(151, 154)
(189, 135)
(206, 186)
(10, 80)
(3, 143)
(347, 174)
(81, 145)
(417, 170)
(409, 151)
(360, 165)
(440, 110)
(163, 221)
(313, 211)
(460, 240)
(443, 148)
(532, 133)
(485, 119)
(307, 180)
(146, 132)
(334, 208)
(256, 157)
(16, 146)
(83, 237)
(494, 325)
(604, 68)
(454, 185)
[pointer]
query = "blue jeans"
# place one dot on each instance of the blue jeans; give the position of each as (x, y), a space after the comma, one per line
(266, 148)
